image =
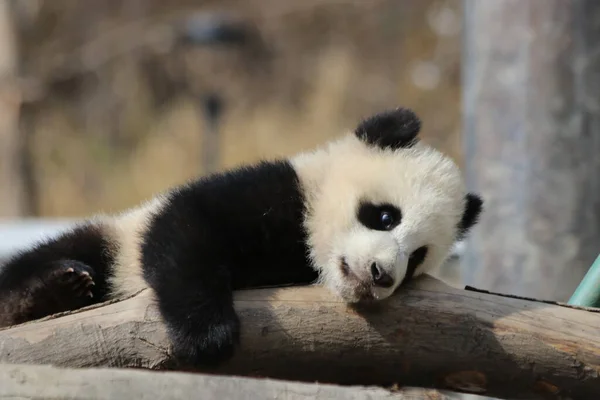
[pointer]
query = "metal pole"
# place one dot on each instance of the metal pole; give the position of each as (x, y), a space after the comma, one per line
(213, 109)
(588, 292)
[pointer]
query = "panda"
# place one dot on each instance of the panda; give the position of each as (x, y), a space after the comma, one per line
(360, 215)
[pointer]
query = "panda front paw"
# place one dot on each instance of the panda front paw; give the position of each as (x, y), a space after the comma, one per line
(207, 345)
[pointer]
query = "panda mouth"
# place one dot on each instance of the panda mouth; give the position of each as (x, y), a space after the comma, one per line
(361, 292)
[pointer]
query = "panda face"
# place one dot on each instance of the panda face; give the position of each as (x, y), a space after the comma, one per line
(377, 214)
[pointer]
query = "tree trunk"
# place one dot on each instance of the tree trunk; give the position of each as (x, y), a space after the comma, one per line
(532, 143)
(429, 335)
(45, 382)
(11, 186)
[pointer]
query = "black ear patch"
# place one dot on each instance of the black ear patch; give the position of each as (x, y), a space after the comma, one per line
(392, 129)
(473, 208)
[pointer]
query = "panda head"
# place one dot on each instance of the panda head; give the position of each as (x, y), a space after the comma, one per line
(382, 207)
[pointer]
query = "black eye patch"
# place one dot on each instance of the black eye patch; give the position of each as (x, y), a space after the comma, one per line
(380, 217)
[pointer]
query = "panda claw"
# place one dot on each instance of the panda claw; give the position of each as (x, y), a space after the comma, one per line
(83, 287)
(77, 279)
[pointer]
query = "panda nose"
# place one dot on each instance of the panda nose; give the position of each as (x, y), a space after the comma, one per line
(380, 277)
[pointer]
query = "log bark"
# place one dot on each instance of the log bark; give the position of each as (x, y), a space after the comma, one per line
(48, 383)
(428, 335)
(532, 140)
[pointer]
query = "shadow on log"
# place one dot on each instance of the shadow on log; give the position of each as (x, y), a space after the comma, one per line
(428, 335)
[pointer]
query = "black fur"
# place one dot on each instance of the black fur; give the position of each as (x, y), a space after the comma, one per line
(416, 258)
(392, 129)
(236, 230)
(55, 276)
(473, 209)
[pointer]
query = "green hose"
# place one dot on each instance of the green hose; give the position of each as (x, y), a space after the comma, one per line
(587, 293)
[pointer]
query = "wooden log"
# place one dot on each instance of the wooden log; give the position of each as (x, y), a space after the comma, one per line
(46, 382)
(429, 335)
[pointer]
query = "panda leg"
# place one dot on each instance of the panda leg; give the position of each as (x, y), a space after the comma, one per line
(61, 286)
(62, 274)
(198, 309)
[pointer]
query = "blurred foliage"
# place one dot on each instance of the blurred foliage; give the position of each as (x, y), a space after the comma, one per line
(113, 97)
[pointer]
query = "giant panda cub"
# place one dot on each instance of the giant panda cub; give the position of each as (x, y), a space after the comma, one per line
(360, 215)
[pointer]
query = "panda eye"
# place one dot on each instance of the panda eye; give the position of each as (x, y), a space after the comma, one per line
(387, 220)
(379, 217)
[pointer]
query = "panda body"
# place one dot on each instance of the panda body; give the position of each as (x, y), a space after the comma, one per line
(360, 215)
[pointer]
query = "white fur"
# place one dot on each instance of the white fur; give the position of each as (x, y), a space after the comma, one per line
(421, 181)
(125, 232)
(426, 185)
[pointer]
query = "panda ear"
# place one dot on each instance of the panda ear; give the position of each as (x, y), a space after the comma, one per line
(471, 213)
(392, 129)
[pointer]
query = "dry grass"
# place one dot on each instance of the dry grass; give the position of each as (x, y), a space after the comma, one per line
(103, 141)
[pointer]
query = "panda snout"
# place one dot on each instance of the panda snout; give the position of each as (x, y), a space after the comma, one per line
(380, 276)
(368, 280)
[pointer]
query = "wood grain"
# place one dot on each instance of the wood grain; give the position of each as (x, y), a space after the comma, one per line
(429, 335)
(49, 383)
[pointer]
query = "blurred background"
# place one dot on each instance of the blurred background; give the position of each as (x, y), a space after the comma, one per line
(116, 100)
